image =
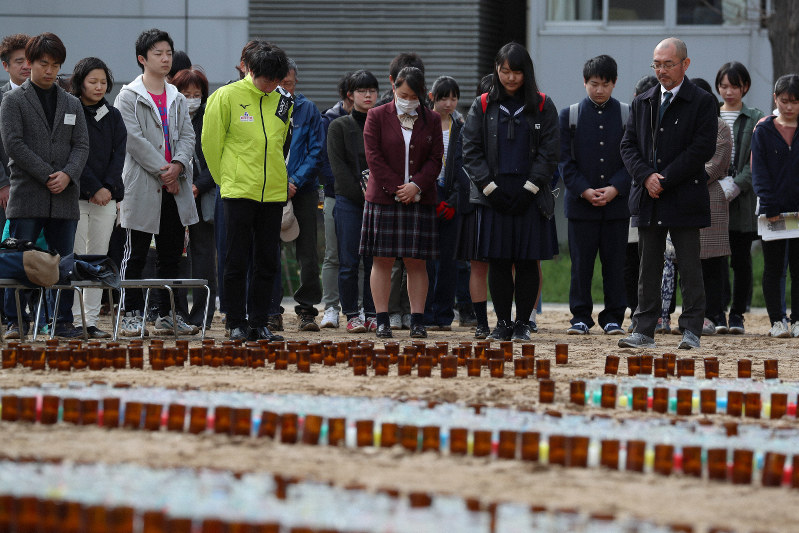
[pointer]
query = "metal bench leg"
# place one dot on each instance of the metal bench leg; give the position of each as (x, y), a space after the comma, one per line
(79, 290)
(38, 314)
(55, 312)
(22, 335)
(119, 311)
(144, 313)
(172, 304)
(205, 312)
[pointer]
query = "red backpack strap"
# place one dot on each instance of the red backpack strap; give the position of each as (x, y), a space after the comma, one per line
(484, 101)
(543, 100)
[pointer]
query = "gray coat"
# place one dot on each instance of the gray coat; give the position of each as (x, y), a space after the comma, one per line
(4, 181)
(141, 208)
(35, 151)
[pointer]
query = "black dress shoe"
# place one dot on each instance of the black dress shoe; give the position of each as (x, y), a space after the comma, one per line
(263, 333)
(481, 332)
(418, 331)
(240, 334)
(502, 332)
(384, 331)
(521, 331)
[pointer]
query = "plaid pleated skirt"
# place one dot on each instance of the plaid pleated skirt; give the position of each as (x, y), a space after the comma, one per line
(399, 230)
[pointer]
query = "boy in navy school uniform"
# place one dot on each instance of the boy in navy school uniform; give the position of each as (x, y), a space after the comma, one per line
(597, 185)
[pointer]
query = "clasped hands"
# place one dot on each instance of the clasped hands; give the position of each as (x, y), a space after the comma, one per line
(600, 197)
(169, 177)
(652, 184)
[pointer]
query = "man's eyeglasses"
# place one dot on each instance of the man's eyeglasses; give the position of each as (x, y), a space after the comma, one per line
(364, 92)
(668, 65)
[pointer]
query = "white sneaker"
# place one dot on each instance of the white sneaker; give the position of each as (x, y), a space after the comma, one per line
(395, 321)
(795, 329)
(132, 324)
(780, 330)
(163, 326)
(329, 319)
(406, 321)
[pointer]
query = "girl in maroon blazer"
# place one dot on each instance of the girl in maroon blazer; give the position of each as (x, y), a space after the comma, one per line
(404, 147)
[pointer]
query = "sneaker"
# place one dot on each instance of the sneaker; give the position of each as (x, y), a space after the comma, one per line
(132, 324)
(503, 331)
(533, 322)
(274, 322)
(637, 340)
(721, 324)
(68, 330)
(96, 333)
(689, 340)
(13, 331)
(521, 331)
(482, 332)
(466, 317)
(163, 326)
(355, 325)
(736, 325)
(329, 319)
(418, 331)
(780, 330)
(663, 326)
(708, 327)
(308, 323)
(580, 328)
(795, 329)
(371, 323)
(395, 320)
(612, 328)
(406, 321)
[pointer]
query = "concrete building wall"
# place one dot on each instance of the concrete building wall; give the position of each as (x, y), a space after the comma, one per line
(211, 32)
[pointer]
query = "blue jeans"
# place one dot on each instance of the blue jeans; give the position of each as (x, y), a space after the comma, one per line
(349, 218)
(60, 237)
(443, 278)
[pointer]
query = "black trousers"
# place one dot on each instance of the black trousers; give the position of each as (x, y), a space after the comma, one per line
(503, 284)
(251, 228)
(651, 245)
(773, 264)
(741, 264)
(168, 246)
(587, 238)
(631, 267)
(712, 272)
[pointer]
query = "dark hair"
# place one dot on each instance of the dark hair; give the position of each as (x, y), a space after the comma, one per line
(445, 86)
(705, 86)
(789, 83)
(147, 40)
(484, 85)
(603, 67)
(193, 75)
(362, 79)
(180, 61)
(405, 59)
(12, 43)
(65, 82)
(736, 74)
(414, 79)
(644, 84)
(82, 69)
(343, 85)
(46, 44)
(267, 60)
(518, 59)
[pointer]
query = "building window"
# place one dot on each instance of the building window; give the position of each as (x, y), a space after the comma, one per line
(711, 12)
(635, 11)
(571, 10)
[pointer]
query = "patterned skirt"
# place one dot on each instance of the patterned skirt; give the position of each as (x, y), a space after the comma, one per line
(399, 230)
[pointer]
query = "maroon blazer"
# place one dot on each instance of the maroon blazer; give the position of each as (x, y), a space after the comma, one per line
(385, 153)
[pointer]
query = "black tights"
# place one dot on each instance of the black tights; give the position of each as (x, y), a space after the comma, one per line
(501, 284)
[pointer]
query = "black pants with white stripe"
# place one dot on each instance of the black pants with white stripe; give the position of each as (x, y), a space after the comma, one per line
(169, 243)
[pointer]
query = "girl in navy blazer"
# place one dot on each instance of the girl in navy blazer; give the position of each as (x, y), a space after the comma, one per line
(404, 147)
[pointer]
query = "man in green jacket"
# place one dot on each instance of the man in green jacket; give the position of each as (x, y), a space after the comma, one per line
(246, 126)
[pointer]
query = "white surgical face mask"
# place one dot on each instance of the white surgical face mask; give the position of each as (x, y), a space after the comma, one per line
(406, 106)
(194, 104)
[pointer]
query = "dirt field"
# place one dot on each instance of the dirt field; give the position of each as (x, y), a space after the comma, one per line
(665, 500)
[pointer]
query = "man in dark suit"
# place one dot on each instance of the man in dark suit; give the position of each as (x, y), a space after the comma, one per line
(670, 135)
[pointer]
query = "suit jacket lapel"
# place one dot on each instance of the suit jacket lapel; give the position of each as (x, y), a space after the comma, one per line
(30, 94)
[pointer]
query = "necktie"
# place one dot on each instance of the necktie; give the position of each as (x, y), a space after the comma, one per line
(666, 101)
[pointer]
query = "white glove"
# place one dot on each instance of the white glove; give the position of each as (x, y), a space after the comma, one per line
(731, 190)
